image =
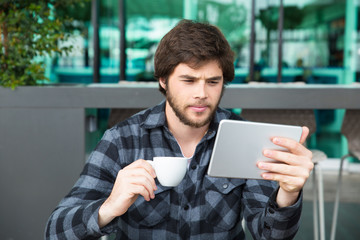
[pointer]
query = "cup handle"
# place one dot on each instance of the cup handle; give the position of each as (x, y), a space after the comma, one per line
(151, 163)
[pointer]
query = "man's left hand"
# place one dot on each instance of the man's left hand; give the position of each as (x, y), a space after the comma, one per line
(292, 169)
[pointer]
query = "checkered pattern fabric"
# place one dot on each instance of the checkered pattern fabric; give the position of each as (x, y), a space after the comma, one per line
(201, 207)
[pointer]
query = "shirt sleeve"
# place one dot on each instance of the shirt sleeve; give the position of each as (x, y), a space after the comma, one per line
(264, 218)
(76, 216)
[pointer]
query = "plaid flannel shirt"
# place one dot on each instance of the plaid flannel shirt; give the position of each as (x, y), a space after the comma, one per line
(201, 207)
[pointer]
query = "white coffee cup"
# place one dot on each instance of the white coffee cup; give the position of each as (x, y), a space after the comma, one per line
(169, 170)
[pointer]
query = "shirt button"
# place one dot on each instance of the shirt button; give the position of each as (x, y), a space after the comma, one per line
(266, 225)
(186, 207)
(225, 185)
(271, 210)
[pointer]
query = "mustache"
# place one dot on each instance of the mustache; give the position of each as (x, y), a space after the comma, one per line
(200, 103)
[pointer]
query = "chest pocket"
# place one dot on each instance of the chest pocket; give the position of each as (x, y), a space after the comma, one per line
(151, 213)
(223, 202)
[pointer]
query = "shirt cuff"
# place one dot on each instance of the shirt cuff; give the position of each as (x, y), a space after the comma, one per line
(284, 213)
(92, 224)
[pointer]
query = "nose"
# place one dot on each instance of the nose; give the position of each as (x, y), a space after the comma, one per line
(200, 90)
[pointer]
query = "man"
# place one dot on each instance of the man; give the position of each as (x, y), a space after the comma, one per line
(118, 191)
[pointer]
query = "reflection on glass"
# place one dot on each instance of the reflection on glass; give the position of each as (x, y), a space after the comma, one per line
(314, 38)
(320, 42)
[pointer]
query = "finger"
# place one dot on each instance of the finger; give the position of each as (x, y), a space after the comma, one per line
(149, 168)
(143, 191)
(138, 177)
(142, 176)
(141, 163)
(304, 134)
(280, 156)
(292, 146)
(288, 158)
(288, 183)
(149, 184)
(284, 169)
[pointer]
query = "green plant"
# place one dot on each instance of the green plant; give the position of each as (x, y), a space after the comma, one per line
(29, 31)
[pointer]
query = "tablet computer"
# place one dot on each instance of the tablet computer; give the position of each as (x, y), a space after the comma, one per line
(239, 146)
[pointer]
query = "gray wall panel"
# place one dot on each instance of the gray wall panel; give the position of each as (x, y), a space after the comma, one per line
(42, 136)
(41, 156)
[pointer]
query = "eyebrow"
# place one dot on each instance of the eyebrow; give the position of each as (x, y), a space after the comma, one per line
(215, 78)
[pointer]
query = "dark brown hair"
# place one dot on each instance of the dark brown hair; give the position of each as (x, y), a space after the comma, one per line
(195, 44)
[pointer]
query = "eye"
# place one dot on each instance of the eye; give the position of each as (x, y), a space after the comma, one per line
(213, 82)
(188, 80)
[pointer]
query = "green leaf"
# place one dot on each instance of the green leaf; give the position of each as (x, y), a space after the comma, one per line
(34, 30)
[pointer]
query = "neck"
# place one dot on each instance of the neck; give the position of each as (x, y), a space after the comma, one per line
(187, 137)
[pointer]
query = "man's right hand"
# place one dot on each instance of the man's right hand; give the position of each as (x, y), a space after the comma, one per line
(134, 180)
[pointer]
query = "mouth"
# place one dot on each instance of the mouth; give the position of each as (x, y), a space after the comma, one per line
(199, 108)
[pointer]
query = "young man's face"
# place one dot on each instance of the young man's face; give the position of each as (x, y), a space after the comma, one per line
(194, 94)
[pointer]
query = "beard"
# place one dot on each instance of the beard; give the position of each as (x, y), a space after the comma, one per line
(180, 111)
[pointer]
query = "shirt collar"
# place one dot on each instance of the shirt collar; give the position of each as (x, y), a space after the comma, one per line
(156, 116)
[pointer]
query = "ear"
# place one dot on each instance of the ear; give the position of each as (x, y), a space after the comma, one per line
(162, 83)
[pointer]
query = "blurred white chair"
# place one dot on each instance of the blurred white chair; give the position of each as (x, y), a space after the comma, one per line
(299, 117)
(351, 130)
